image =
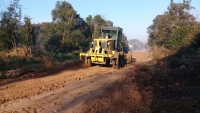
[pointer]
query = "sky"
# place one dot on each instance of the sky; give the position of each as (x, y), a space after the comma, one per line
(133, 16)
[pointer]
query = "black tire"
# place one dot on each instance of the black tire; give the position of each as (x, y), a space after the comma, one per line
(89, 62)
(108, 62)
(121, 64)
(85, 62)
(122, 59)
(115, 61)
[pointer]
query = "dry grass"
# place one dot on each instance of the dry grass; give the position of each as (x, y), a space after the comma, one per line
(48, 62)
(3, 56)
(160, 52)
(17, 58)
(18, 53)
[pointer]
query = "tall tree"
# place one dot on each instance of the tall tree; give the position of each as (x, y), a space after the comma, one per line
(90, 23)
(65, 15)
(9, 28)
(67, 32)
(47, 29)
(96, 23)
(165, 25)
(28, 35)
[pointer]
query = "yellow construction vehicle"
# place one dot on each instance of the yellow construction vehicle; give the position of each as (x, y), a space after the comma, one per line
(110, 49)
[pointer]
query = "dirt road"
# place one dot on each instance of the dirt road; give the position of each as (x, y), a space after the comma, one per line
(63, 92)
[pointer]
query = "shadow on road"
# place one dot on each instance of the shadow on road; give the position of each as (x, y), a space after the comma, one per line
(150, 88)
(52, 72)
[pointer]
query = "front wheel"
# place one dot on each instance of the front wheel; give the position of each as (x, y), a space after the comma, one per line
(114, 64)
(89, 62)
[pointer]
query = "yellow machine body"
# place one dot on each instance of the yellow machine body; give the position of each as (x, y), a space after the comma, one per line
(98, 55)
(109, 49)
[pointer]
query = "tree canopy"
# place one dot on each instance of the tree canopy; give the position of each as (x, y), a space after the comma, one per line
(9, 26)
(66, 33)
(95, 23)
(173, 27)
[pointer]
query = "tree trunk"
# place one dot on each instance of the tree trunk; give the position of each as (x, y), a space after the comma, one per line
(14, 42)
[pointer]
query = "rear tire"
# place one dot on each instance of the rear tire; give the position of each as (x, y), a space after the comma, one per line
(89, 63)
(108, 62)
(85, 62)
(114, 64)
(121, 61)
(115, 61)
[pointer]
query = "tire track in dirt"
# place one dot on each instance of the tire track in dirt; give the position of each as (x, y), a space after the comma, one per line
(32, 87)
(68, 97)
(64, 92)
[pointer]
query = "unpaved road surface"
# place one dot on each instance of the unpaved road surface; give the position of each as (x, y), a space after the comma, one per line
(64, 92)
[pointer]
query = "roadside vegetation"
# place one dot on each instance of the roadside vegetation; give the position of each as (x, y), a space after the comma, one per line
(174, 38)
(42, 46)
(176, 31)
(170, 82)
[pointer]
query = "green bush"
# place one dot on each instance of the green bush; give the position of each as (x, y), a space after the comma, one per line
(63, 56)
(179, 38)
(12, 57)
(38, 54)
(76, 54)
(198, 52)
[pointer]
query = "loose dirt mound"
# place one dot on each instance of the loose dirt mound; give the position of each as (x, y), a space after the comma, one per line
(150, 88)
(67, 91)
(31, 75)
(123, 96)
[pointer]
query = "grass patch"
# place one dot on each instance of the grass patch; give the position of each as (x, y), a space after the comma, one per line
(66, 57)
(21, 63)
(35, 62)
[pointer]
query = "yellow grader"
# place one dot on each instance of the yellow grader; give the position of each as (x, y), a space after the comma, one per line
(111, 49)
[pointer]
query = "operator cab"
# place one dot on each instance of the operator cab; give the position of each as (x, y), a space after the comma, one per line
(110, 40)
(113, 36)
(111, 32)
